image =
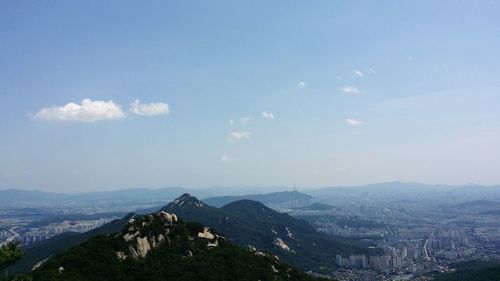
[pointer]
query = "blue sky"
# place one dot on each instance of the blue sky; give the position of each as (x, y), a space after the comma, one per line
(320, 93)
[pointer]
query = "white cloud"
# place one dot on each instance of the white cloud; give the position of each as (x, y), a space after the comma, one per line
(357, 73)
(354, 122)
(149, 109)
(360, 74)
(238, 136)
(231, 122)
(268, 115)
(301, 85)
(353, 90)
(224, 158)
(87, 111)
(244, 120)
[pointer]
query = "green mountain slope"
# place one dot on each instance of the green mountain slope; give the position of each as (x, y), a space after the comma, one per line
(476, 270)
(251, 224)
(60, 243)
(269, 198)
(159, 247)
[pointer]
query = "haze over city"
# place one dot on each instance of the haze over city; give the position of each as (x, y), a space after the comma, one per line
(323, 140)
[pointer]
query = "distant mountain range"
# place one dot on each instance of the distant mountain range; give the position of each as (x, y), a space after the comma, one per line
(160, 195)
(409, 190)
(158, 247)
(266, 199)
(317, 207)
(213, 198)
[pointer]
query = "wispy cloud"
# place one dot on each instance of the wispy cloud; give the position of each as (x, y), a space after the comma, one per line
(354, 122)
(86, 111)
(370, 71)
(357, 73)
(149, 109)
(301, 85)
(268, 115)
(233, 136)
(352, 90)
(224, 158)
(245, 119)
(230, 122)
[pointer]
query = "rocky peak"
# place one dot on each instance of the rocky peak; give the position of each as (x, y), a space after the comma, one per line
(145, 233)
(186, 200)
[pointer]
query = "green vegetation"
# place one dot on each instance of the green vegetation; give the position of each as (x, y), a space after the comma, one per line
(61, 243)
(182, 256)
(477, 271)
(250, 223)
(9, 254)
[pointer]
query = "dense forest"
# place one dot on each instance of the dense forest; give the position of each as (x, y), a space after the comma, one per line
(475, 270)
(186, 253)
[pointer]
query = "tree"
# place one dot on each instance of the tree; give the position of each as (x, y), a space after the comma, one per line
(9, 254)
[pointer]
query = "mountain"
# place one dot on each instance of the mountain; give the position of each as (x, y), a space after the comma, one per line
(317, 207)
(161, 247)
(16, 195)
(55, 245)
(252, 224)
(266, 199)
(405, 190)
(10, 196)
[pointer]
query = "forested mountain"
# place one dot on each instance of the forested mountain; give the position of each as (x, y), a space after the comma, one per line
(269, 198)
(161, 247)
(251, 224)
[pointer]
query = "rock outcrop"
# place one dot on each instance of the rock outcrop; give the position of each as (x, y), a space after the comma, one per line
(142, 234)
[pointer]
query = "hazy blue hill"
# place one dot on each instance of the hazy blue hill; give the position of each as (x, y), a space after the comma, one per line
(16, 195)
(404, 190)
(8, 196)
(250, 223)
(480, 203)
(317, 207)
(269, 198)
(175, 251)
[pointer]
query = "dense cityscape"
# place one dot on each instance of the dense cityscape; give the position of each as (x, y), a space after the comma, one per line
(415, 237)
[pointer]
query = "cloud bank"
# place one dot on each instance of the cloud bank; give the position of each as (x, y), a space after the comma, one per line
(354, 122)
(149, 109)
(238, 136)
(352, 90)
(86, 111)
(268, 115)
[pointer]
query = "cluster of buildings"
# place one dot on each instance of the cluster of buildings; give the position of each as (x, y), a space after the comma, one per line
(36, 234)
(347, 231)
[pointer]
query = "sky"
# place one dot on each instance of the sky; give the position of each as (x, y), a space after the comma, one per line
(100, 95)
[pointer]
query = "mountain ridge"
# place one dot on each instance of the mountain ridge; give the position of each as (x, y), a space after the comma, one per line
(159, 246)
